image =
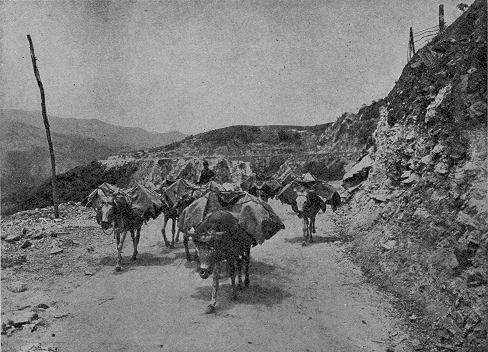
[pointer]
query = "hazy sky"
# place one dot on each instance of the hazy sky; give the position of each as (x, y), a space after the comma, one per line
(197, 65)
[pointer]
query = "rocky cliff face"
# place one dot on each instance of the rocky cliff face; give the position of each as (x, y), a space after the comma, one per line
(419, 221)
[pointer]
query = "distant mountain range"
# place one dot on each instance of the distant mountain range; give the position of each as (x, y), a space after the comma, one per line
(24, 153)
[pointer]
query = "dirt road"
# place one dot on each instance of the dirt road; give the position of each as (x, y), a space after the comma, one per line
(300, 299)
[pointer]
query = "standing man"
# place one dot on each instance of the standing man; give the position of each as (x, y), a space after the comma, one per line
(207, 175)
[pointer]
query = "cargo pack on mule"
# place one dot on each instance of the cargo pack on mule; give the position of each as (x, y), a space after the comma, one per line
(124, 210)
(260, 186)
(177, 196)
(224, 226)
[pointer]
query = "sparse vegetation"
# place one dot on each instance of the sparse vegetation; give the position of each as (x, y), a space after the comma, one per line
(74, 185)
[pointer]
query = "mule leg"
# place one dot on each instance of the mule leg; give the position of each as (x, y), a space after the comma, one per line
(120, 247)
(312, 228)
(177, 239)
(247, 260)
(239, 261)
(187, 250)
(215, 288)
(163, 230)
(232, 267)
(136, 235)
(173, 231)
(305, 229)
(134, 253)
(117, 241)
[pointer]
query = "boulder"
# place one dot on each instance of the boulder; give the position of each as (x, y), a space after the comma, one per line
(358, 173)
(389, 245)
(442, 168)
(13, 237)
(443, 259)
(426, 160)
(466, 219)
(56, 250)
(37, 234)
(17, 286)
(421, 213)
(411, 179)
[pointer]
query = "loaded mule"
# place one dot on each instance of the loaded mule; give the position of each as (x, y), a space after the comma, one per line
(262, 187)
(220, 238)
(307, 203)
(116, 211)
(171, 212)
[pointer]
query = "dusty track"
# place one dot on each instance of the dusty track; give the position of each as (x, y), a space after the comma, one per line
(301, 299)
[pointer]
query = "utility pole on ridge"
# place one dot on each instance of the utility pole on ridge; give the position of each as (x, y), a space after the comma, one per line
(46, 125)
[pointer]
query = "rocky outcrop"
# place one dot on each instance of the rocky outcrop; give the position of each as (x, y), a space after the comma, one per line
(422, 212)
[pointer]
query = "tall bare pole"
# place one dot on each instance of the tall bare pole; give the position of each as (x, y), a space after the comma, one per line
(411, 43)
(442, 24)
(46, 125)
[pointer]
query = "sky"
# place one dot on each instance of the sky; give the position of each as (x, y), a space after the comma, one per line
(199, 65)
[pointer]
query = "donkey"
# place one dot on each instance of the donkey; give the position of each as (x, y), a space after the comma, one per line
(220, 238)
(172, 212)
(307, 203)
(307, 206)
(115, 211)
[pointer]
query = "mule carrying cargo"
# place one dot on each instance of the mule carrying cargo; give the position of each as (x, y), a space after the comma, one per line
(224, 226)
(124, 211)
(254, 216)
(143, 201)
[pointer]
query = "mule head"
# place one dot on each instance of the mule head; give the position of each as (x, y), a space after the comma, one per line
(208, 252)
(106, 212)
(300, 202)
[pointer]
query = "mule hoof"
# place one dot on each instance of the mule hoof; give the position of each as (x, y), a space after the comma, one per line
(118, 268)
(304, 244)
(247, 283)
(133, 257)
(166, 244)
(234, 297)
(177, 239)
(188, 258)
(210, 309)
(171, 246)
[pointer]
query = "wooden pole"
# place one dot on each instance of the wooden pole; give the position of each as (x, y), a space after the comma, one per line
(46, 125)
(411, 44)
(442, 24)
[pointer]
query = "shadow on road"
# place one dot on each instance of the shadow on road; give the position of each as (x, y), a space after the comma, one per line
(316, 239)
(265, 288)
(143, 259)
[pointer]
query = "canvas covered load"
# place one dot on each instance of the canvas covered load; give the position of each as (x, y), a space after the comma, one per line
(180, 189)
(254, 216)
(141, 199)
(325, 191)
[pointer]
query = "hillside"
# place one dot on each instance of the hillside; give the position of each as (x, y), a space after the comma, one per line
(418, 223)
(25, 160)
(117, 137)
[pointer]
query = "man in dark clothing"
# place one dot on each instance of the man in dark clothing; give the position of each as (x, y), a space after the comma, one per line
(207, 175)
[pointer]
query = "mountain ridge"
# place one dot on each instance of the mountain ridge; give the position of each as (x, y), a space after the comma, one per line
(25, 160)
